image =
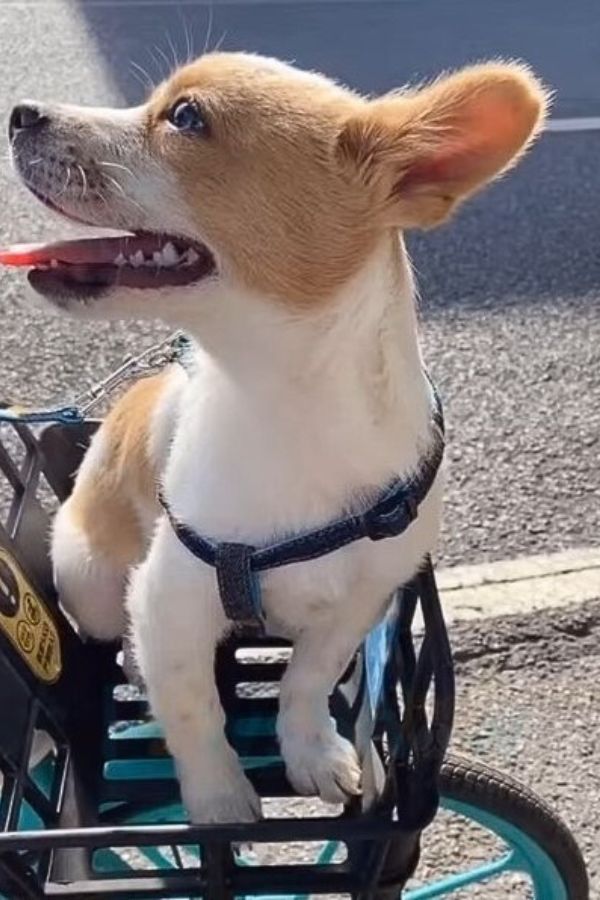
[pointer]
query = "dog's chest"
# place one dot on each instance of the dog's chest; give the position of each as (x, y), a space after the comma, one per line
(235, 474)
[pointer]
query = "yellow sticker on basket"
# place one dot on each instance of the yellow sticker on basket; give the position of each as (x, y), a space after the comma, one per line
(26, 621)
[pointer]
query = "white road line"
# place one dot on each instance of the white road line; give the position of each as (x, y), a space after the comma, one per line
(520, 586)
(583, 123)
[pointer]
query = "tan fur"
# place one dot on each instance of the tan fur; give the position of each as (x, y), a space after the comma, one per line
(426, 150)
(103, 504)
(320, 171)
(269, 160)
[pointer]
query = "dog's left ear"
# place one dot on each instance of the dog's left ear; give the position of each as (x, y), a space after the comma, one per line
(421, 152)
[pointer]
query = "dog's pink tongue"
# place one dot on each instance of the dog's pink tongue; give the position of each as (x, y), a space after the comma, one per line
(91, 251)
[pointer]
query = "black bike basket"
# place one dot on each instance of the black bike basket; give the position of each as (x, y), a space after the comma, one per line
(90, 805)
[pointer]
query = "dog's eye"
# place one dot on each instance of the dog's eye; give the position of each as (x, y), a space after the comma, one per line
(186, 116)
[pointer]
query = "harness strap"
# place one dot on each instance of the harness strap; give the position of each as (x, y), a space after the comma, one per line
(238, 584)
(237, 565)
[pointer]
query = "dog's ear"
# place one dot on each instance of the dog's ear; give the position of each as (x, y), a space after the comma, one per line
(422, 152)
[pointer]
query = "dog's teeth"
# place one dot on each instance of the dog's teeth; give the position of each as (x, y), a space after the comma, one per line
(137, 259)
(191, 257)
(54, 264)
(120, 260)
(157, 259)
(169, 255)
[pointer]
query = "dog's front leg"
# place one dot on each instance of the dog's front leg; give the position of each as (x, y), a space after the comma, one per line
(318, 760)
(177, 621)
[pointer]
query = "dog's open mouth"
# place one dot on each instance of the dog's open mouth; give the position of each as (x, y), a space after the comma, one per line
(87, 268)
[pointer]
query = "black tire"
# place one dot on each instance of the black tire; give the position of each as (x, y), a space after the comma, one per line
(468, 781)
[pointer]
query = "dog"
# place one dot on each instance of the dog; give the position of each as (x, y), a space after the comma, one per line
(263, 209)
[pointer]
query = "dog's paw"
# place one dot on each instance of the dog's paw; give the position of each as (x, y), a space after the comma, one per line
(325, 764)
(217, 801)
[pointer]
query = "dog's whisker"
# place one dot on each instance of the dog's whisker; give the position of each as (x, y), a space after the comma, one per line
(122, 191)
(155, 62)
(99, 194)
(113, 165)
(192, 42)
(65, 187)
(187, 33)
(220, 42)
(147, 80)
(173, 50)
(116, 184)
(209, 28)
(163, 55)
(84, 181)
(139, 79)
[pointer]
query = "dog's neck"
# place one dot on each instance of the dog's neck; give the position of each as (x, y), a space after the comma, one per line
(370, 327)
(338, 394)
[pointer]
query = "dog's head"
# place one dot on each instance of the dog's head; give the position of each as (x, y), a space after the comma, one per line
(243, 173)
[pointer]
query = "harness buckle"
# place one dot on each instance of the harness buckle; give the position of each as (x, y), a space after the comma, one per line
(389, 521)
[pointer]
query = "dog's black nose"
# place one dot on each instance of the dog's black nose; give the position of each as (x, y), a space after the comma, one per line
(24, 117)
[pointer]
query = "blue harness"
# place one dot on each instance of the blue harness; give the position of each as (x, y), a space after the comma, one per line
(238, 566)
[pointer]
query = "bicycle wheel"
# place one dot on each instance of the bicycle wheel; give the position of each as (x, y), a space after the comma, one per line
(537, 843)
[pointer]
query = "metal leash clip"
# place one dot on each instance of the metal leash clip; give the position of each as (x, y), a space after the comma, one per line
(150, 361)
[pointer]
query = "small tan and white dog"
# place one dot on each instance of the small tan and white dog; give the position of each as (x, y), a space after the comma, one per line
(263, 208)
